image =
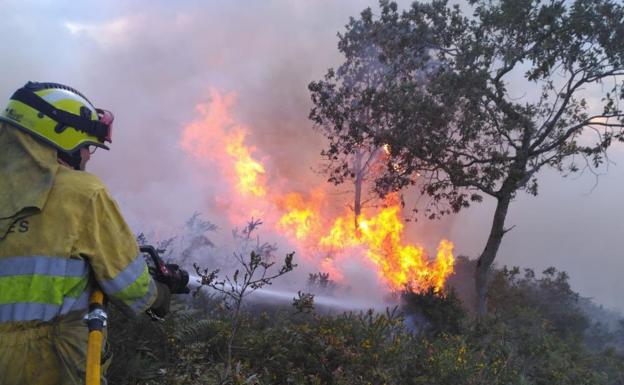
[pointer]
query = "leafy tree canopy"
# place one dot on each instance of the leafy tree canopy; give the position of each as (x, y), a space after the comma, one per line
(476, 105)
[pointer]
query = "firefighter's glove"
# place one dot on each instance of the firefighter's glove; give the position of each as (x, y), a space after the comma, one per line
(160, 307)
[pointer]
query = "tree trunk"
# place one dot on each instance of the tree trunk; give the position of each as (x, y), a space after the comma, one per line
(357, 201)
(489, 253)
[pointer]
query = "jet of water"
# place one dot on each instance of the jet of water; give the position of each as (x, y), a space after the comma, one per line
(272, 294)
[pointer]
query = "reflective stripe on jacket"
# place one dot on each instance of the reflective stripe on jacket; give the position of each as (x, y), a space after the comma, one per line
(50, 261)
(40, 288)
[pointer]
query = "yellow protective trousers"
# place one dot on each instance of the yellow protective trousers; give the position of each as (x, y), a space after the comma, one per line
(46, 353)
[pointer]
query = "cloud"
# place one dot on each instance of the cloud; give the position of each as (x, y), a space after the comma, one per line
(109, 34)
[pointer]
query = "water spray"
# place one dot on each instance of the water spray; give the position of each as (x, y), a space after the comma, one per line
(286, 296)
(179, 280)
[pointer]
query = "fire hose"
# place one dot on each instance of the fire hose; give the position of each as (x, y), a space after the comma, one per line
(169, 274)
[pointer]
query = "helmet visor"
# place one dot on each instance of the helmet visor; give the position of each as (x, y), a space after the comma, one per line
(107, 118)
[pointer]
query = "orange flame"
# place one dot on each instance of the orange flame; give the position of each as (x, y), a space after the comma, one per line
(399, 264)
(217, 138)
(247, 169)
(302, 218)
(299, 220)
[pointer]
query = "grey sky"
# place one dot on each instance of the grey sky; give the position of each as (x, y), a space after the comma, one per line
(152, 62)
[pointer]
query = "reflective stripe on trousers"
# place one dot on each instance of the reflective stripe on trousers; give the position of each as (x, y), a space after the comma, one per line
(42, 287)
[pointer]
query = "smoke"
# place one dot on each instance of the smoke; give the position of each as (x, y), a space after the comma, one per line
(153, 63)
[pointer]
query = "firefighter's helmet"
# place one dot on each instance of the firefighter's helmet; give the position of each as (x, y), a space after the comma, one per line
(58, 115)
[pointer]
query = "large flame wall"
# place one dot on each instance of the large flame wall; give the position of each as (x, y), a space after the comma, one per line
(326, 240)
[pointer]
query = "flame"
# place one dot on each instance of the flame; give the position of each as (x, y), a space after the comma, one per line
(329, 240)
(399, 264)
(299, 220)
(247, 169)
(302, 216)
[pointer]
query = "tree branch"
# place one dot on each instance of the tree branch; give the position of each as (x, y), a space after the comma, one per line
(549, 124)
(571, 130)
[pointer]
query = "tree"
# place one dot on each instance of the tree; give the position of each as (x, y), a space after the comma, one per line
(361, 163)
(478, 105)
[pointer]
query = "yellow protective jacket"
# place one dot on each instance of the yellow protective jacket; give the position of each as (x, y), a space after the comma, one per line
(56, 245)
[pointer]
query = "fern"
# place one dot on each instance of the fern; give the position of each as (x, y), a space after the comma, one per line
(194, 325)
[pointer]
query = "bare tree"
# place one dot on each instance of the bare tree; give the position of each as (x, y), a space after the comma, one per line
(254, 272)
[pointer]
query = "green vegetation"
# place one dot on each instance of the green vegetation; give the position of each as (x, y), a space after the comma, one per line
(536, 333)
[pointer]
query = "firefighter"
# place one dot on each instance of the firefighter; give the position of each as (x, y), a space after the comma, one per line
(61, 237)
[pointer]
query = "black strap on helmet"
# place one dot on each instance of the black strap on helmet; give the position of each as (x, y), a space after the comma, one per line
(95, 128)
(73, 159)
